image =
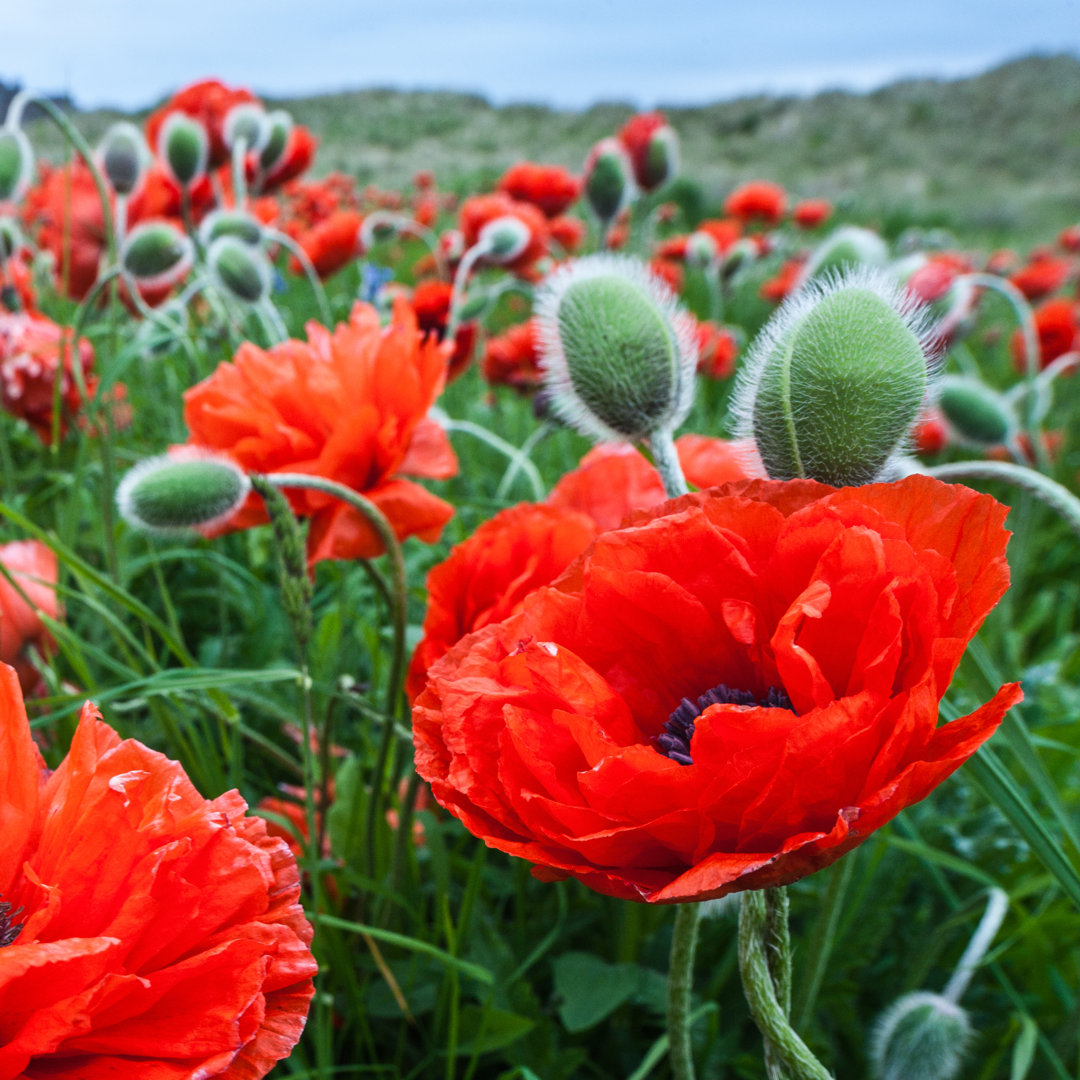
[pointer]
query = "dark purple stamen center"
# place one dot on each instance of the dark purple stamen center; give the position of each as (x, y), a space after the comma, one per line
(8, 931)
(679, 729)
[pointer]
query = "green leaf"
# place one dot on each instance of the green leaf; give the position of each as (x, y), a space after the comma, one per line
(484, 1029)
(590, 989)
(1023, 1054)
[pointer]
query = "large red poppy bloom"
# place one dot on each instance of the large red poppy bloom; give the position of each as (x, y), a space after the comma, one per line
(148, 933)
(349, 405)
(550, 188)
(649, 141)
(728, 693)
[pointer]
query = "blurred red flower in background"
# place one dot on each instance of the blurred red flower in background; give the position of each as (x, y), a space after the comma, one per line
(148, 932)
(23, 600)
(757, 200)
(512, 358)
(717, 350)
(480, 210)
(810, 213)
(730, 692)
(349, 405)
(431, 302)
(1043, 274)
(550, 188)
(637, 135)
(1057, 323)
(332, 243)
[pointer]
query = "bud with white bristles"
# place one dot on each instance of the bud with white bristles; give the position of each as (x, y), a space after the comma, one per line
(16, 164)
(608, 179)
(156, 254)
(848, 247)
(248, 122)
(702, 250)
(279, 126)
(920, 1035)
(231, 222)
(124, 156)
(504, 239)
(239, 269)
(184, 147)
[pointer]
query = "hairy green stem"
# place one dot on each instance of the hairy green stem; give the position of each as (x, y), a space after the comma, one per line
(680, 990)
(666, 459)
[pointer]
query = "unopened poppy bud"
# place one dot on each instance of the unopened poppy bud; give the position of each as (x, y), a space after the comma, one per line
(156, 254)
(236, 223)
(701, 250)
(183, 146)
(920, 1035)
(836, 380)
(618, 353)
(279, 125)
(976, 415)
(247, 122)
(11, 238)
(123, 155)
(16, 164)
(848, 247)
(238, 269)
(660, 162)
(184, 489)
(504, 239)
(608, 179)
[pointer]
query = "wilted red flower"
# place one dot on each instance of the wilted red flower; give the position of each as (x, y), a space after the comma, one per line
(568, 233)
(480, 210)
(1057, 323)
(728, 693)
(30, 594)
(30, 361)
(783, 282)
(810, 213)
(513, 358)
(639, 136)
(717, 350)
(1044, 274)
(332, 243)
(550, 188)
(350, 405)
(148, 931)
(757, 200)
(208, 102)
(431, 302)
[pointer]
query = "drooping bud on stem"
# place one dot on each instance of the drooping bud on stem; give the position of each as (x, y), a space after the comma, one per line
(239, 269)
(16, 164)
(156, 254)
(123, 157)
(248, 122)
(836, 380)
(923, 1035)
(229, 222)
(11, 238)
(977, 416)
(279, 125)
(608, 179)
(848, 247)
(184, 489)
(184, 146)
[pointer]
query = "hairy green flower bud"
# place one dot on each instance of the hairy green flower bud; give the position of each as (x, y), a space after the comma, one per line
(609, 184)
(236, 223)
(156, 254)
(701, 250)
(246, 121)
(661, 161)
(920, 1035)
(183, 146)
(618, 352)
(279, 125)
(836, 380)
(16, 164)
(848, 247)
(185, 489)
(238, 269)
(977, 416)
(123, 155)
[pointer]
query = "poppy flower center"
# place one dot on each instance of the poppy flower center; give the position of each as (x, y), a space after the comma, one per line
(674, 742)
(9, 931)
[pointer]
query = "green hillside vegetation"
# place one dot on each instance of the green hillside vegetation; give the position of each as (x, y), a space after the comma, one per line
(995, 157)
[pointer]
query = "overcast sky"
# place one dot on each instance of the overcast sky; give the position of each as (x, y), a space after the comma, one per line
(562, 52)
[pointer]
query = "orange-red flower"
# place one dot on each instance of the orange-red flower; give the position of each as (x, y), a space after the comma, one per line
(568, 232)
(513, 358)
(757, 200)
(30, 594)
(728, 693)
(349, 405)
(431, 302)
(148, 932)
(783, 282)
(332, 243)
(550, 188)
(481, 210)
(717, 350)
(638, 136)
(1057, 323)
(1044, 274)
(209, 102)
(810, 213)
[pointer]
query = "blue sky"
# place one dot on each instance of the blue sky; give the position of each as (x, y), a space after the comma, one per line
(563, 52)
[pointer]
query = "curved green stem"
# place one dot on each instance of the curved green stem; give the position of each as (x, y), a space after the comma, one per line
(1047, 491)
(402, 224)
(666, 459)
(301, 256)
(785, 1053)
(461, 280)
(521, 459)
(680, 990)
(508, 449)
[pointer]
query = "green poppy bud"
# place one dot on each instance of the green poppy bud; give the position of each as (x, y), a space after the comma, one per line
(16, 164)
(619, 354)
(920, 1035)
(238, 269)
(701, 250)
(609, 184)
(123, 154)
(187, 488)
(236, 223)
(836, 380)
(661, 160)
(246, 121)
(156, 254)
(504, 239)
(183, 146)
(279, 125)
(977, 416)
(849, 246)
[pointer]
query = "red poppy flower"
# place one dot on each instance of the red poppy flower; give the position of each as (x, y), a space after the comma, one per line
(717, 350)
(481, 210)
(30, 363)
(568, 233)
(513, 358)
(810, 213)
(148, 932)
(932, 280)
(1044, 274)
(1003, 261)
(296, 159)
(431, 302)
(1057, 323)
(1069, 239)
(350, 405)
(17, 292)
(425, 210)
(208, 102)
(783, 282)
(758, 200)
(33, 568)
(669, 272)
(550, 188)
(728, 693)
(331, 244)
(160, 197)
(640, 136)
(931, 434)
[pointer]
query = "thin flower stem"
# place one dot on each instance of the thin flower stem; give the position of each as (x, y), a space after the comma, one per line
(521, 458)
(411, 227)
(301, 256)
(461, 280)
(1047, 491)
(996, 908)
(508, 449)
(786, 1054)
(680, 990)
(666, 459)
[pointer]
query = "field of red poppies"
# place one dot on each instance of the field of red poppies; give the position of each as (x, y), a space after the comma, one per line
(557, 631)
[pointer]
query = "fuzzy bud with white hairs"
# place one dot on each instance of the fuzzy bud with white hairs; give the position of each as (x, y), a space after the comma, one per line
(246, 121)
(184, 147)
(618, 353)
(847, 247)
(920, 1035)
(834, 383)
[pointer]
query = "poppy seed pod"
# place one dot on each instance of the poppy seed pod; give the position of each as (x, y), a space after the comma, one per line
(619, 354)
(238, 269)
(16, 164)
(279, 125)
(123, 156)
(247, 121)
(183, 145)
(923, 1035)
(834, 383)
(156, 254)
(236, 223)
(608, 179)
(504, 239)
(182, 490)
(977, 415)
(847, 247)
